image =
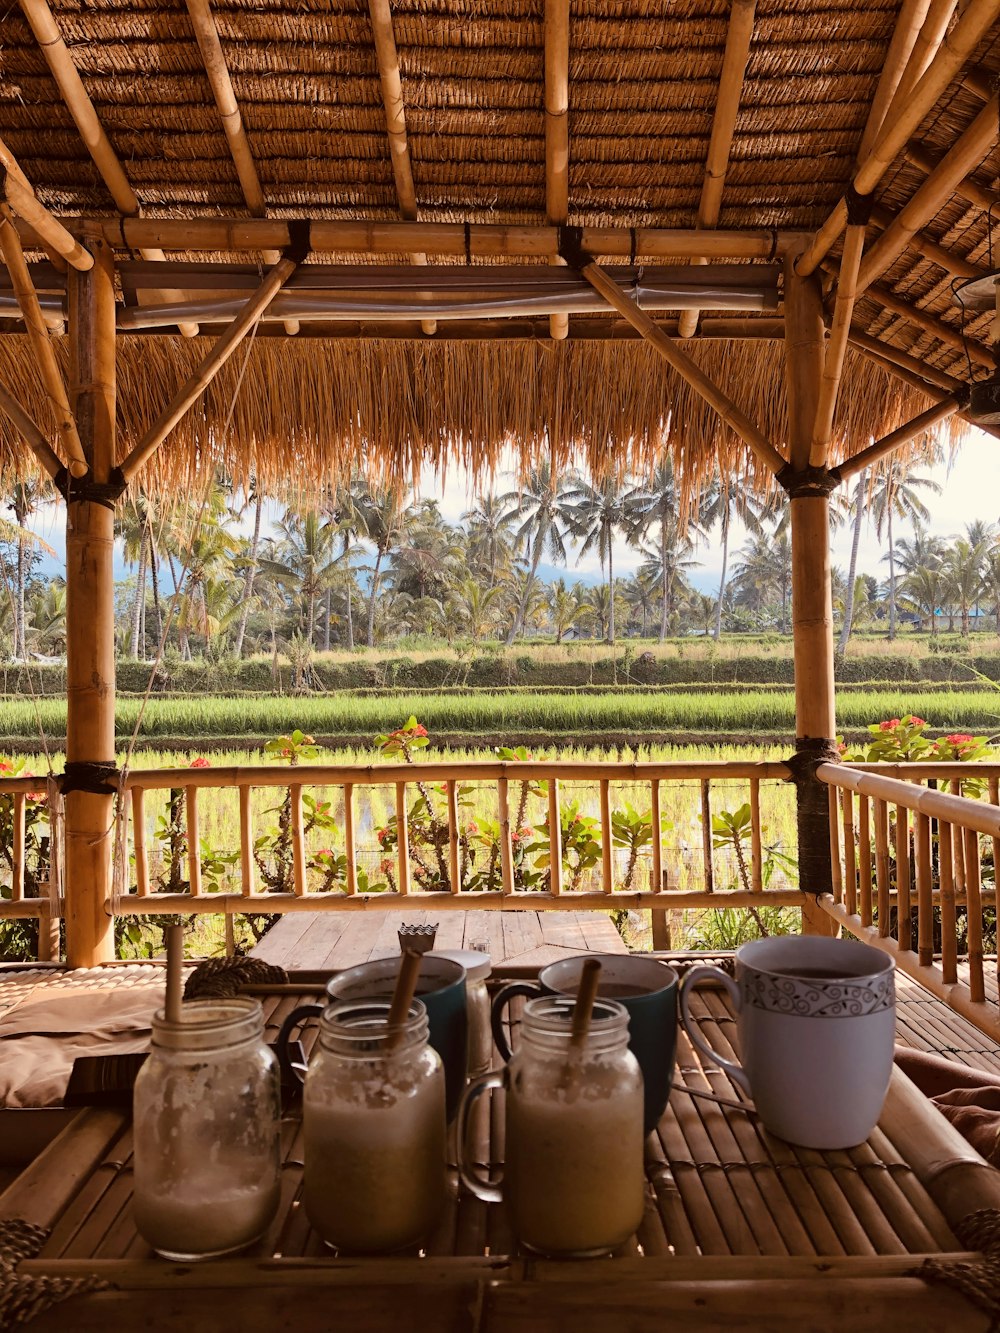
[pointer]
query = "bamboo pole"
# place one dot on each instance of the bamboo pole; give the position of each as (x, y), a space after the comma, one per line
(555, 839)
(659, 924)
(557, 129)
(41, 343)
(506, 846)
(90, 660)
(930, 249)
(708, 870)
(865, 859)
(836, 350)
(835, 861)
(350, 841)
(217, 69)
(910, 364)
(880, 812)
(946, 874)
(974, 914)
(888, 444)
(15, 189)
(402, 839)
(298, 840)
(968, 152)
(924, 160)
(454, 842)
(925, 48)
(908, 24)
(959, 810)
(946, 333)
(903, 926)
(734, 417)
(756, 856)
(193, 832)
(247, 865)
(47, 457)
(727, 106)
(850, 859)
(139, 841)
(978, 17)
(925, 883)
(480, 240)
(188, 393)
(607, 842)
(17, 849)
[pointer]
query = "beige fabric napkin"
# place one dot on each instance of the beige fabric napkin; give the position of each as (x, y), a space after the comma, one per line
(970, 1098)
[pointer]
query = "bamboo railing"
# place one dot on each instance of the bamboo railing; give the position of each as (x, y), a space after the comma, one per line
(162, 815)
(914, 849)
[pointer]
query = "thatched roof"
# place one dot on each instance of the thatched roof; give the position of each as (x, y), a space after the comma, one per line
(643, 83)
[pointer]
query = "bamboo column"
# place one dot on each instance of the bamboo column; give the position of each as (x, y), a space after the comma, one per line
(90, 658)
(812, 610)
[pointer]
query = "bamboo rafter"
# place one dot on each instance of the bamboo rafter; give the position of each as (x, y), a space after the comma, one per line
(16, 190)
(727, 108)
(945, 333)
(930, 249)
(908, 23)
(969, 188)
(957, 46)
(387, 58)
(557, 129)
(31, 433)
(48, 367)
(925, 47)
(880, 449)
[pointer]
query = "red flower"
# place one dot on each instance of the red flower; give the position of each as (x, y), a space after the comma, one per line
(917, 721)
(382, 834)
(325, 851)
(960, 738)
(201, 762)
(385, 865)
(5, 767)
(890, 725)
(841, 747)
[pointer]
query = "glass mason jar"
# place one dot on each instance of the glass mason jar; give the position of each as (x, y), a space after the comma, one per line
(206, 1110)
(374, 1117)
(573, 1172)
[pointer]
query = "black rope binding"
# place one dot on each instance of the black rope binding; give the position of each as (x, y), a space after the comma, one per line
(84, 490)
(571, 247)
(859, 207)
(299, 240)
(96, 778)
(807, 483)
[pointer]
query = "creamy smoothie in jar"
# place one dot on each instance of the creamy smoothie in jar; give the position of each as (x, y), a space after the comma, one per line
(374, 1122)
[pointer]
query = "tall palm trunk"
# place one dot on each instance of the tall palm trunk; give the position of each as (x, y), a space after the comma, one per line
(154, 578)
(140, 595)
(327, 612)
(717, 632)
(517, 623)
(611, 595)
(892, 577)
(373, 596)
(249, 577)
(350, 581)
(859, 511)
(665, 612)
(20, 637)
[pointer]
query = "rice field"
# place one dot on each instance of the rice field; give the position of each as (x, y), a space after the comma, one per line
(508, 714)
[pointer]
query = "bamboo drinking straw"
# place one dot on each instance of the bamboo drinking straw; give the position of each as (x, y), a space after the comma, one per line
(590, 979)
(175, 962)
(402, 996)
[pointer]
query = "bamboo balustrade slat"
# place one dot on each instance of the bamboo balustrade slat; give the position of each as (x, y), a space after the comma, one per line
(850, 862)
(903, 875)
(838, 870)
(298, 839)
(974, 915)
(656, 819)
(555, 839)
(756, 855)
(949, 941)
(193, 840)
(17, 850)
(880, 814)
(454, 845)
(958, 848)
(247, 864)
(139, 841)
(607, 848)
(865, 859)
(925, 875)
(402, 839)
(506, 846)
(706, 835)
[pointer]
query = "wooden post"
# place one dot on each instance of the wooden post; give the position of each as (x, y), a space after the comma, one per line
(90, 609)
(812, 609)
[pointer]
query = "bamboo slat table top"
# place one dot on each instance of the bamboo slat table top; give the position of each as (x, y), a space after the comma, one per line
(302, 940)
(740, 1231)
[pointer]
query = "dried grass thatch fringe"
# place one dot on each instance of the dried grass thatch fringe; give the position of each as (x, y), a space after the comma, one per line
(310, 412)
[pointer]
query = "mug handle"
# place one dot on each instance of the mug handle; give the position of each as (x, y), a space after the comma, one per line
(292, 1068)
(693, 1030)
(500, 1003)
(472, 1178)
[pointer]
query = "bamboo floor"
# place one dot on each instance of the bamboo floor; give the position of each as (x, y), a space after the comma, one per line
(741, 1231)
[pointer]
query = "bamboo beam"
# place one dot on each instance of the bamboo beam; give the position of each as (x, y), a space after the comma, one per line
(90, 642)
(967, 153)
(977, 19)
(217, 70)
(931, 324)
(836, 351)
(237, 234)
(557, 129)
(804, 363)
(925, 48)
(727, 107)
(31, 433)
(903, 359)
(874, 453)
(734, 417)
(188, 393)
(908, 24)
(930, 249)
(41, 344)
(969, 188)
(17, 192)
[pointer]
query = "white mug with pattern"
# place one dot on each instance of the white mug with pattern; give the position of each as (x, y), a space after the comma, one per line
(816, 1027)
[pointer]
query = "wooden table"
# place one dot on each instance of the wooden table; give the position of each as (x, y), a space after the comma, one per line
(303, 940)
(741, 1231)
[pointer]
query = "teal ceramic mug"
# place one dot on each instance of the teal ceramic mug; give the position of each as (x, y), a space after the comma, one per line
(441, 987)
(648, 990)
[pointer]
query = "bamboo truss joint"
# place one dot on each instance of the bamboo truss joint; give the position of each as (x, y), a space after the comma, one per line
(16, 191)
(727, 106)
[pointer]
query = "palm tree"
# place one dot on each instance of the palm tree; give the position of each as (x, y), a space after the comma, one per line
(641, 595)
(963, 571)
(924, 589)
(379, 522)
(595, 514)
(428, 558)
(666, 569)
(895, 493)
(488, 537)
(539, 509)
(304, 561)
(656, 509)
(250, 573)
(565, 609)
(25, 498)
(858, 510)
(474, 608)
(721, 505)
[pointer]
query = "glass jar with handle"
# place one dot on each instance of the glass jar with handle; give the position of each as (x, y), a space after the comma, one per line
(573, 1175)
(206, 1109)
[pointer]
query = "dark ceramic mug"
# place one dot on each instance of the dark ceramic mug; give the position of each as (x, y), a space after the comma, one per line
(441, 987)
(648, 990)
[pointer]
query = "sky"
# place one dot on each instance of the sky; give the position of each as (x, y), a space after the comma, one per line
(969, 490)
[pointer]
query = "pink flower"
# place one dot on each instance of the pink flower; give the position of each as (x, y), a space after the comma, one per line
(201, 762)
(917, 721)
(841, 747)
(890, 725)
(382, 834)
(325, 851)
(960, 738)
(5, 767)
(385, 865)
